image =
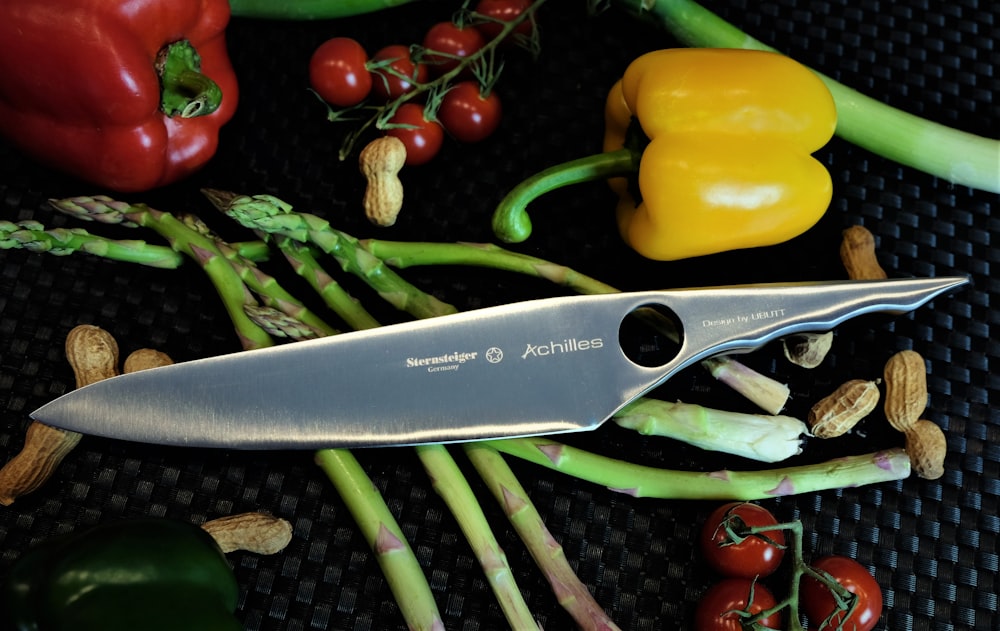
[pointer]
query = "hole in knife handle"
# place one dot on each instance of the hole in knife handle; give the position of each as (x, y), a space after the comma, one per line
(650, 335)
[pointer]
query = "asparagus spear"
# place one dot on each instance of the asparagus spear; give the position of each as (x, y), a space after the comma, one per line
(384, 536)
(451, 485)
(643, 481)
(572, 594)
(32, 236)
(753, 436)
(271, 215)
(235, 295)
(262, 284)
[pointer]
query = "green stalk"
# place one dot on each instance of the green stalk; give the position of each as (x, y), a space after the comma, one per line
(767, 393)
(511, 222)
(753, 436)
(403, 254)
(643, 481)
(308, 9)
(32, 236)
(570, 591)
(273, 216)
(279, 324)
(379, 528)
(333, 294)
(185, 91)
(956, 156)
(265, 286)
(235, 295)
(451, 485)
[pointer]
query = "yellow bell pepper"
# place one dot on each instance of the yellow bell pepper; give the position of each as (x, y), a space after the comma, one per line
(723, 160)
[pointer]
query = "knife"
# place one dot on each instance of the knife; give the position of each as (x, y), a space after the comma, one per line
(537, 367)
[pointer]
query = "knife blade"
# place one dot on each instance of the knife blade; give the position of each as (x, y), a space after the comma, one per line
(538, 367)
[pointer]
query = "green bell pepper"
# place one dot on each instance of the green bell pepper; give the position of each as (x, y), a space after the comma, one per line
(151, 573)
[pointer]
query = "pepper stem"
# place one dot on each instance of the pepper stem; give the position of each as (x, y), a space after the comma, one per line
(511, 222)
(185, 91)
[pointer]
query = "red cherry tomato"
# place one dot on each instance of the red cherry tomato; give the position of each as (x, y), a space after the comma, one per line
(338, 72)
(467, 115)
(405, 74)
(716, 609)
(422, 138)
(748, 555)
(818, 604)
(502, 11)
(455, 42)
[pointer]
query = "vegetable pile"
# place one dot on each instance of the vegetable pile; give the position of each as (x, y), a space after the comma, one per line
(284, 274)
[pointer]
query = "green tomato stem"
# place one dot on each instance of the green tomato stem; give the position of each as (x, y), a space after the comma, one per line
(953, 155)
(511, 222)
(384, 536)
(644, 481)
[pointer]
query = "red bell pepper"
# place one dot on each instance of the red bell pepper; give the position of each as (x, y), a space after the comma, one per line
(126, 94)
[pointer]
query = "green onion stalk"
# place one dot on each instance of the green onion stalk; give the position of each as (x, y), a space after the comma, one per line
(959, 157)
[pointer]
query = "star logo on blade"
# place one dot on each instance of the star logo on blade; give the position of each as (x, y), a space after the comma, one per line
(494, 355)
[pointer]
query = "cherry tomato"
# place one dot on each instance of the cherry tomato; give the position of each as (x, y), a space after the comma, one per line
(456, 42)
(818, 604)
(391, 85)
(504, 11)
(467, 115)
(338, 72)
(756, 555)
(422, 138)
(716, 608)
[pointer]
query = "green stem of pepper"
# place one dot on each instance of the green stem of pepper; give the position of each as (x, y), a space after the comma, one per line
(956, 156)
(511, 222)
(184, 90)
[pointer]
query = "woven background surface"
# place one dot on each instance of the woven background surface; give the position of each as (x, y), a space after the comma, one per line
(932, 545)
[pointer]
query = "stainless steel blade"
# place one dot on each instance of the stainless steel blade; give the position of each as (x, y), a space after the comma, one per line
(538, 367)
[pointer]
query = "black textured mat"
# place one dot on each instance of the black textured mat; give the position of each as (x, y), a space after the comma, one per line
(932, 545)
